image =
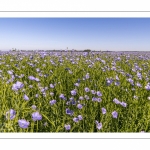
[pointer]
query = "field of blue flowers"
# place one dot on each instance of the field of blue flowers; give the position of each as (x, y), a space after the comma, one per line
(74, 91)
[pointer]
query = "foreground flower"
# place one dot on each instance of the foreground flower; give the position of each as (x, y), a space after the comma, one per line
(99, 93)
(80, 117)
(79, 106)
(87, 89)
(123, 104)
(36, 116)
(31, 78)
(26, 97)
(76, 119)
(10, 72)
(147, 87)
(86, 97)
(81, 98)
(33, 107)
(114, 114)
(23, 123)
(37, 79)
(103, 111)
(87, 76)
(62, 97)
(76, 84)
(11, 113)
(98, 125)
(73, 92)
(37, 95)
(67, 127)
(18, 85)
(52, 102)
(51, 86)
(116, 101)
(51, 93)
(69, 112)
(93, 92)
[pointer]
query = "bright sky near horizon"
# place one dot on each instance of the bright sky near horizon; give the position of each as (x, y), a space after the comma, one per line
(114, 34)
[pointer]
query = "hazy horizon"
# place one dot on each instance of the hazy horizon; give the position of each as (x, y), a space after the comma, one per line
(112, 34)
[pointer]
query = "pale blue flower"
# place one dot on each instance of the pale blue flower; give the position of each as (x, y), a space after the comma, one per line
(76, 119)
(99, 93)
(51, 93)
(52, 102)
(10, 72)
(147, 87)
(114, 114)
(93, 92)
(79, 106)
(52, 86)
(37, 79)
(69, 112)
(94, 99)
(99, 99)
(26, 97)
(62, 97)
(73, 92)
(37, 95)
(123, 104)
(18, 85)
(81, 98)
(36, 116)
(67, 127)
(86, 97)
(33, 107)
(87, 89)
(80, 117)
(31, 78)
(11, 113)
(87, 76)
(116, 101)
(76, 84)
(103, 111)
(98, 125)
(23, 123)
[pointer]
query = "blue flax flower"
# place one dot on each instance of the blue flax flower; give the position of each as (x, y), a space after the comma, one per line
(76, 119)
(67, 127)
(62, 97)
(99, 93)
(52, 102)
(31, 78)
(26, 97)
(79, 106)
(116, 101)
(36, 116)
(123, 104)
(73, 92)
(33, 107)
(87, 89)
(23, 123)
(80, 117)
(98, 125)
(114, 114)
(69, 112)
(11, 113)
(103, 111)
(18, 85)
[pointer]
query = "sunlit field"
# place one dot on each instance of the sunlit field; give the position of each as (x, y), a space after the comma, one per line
(74, 91)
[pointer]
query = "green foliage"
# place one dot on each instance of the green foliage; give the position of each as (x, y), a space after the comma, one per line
(133, 118)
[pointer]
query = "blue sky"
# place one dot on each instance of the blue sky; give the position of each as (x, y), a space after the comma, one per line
(115, 34)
